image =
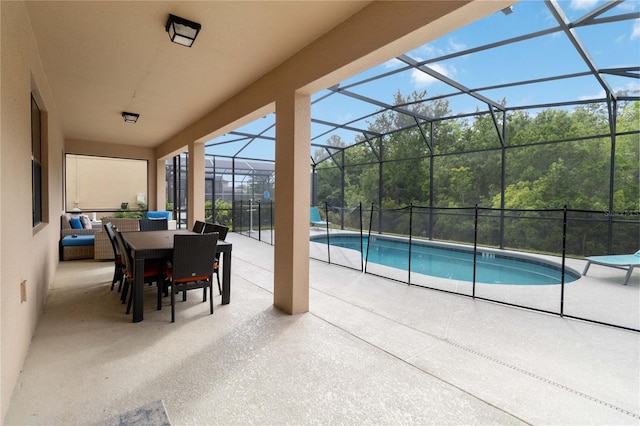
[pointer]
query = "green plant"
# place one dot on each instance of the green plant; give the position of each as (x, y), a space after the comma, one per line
(140, 213)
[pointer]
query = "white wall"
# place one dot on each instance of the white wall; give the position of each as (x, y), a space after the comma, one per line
(26, 253)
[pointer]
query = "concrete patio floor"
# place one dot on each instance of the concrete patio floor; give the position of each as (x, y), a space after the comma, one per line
(369, 351)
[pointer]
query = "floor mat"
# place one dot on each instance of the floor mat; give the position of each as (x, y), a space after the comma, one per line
(152, 414)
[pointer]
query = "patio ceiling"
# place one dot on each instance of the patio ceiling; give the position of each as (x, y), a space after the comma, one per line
(105, 57)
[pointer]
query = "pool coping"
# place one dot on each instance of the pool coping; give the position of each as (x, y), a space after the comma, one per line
(532, 258)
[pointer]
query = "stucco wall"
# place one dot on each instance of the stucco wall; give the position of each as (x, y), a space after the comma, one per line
(25, 253)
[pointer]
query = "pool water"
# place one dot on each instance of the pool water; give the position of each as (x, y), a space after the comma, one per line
(454, 263)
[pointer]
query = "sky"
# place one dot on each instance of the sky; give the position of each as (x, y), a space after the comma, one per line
(608, 45)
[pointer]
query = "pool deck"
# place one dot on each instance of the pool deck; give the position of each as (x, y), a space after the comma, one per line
(369, 351)
(599, 296)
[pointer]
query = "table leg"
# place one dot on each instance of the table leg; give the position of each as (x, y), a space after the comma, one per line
(226, 277)
(138, 287)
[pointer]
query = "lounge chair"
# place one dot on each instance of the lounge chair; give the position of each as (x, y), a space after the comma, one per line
(621, 261)
(315, 218)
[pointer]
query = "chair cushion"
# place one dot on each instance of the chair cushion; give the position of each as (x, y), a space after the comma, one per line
(158, 215)
(78, 240)
(75, 223)
(192, 279)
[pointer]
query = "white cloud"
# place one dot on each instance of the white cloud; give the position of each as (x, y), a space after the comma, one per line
(600, 95)
(635, 33)
(583, 4)
(393, 63)
(421, 80)
(630, 89)
(456, 47)
(428, 50)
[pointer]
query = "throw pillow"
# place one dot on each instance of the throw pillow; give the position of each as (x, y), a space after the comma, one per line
(75, 223)
(158, 215)
(86, 222)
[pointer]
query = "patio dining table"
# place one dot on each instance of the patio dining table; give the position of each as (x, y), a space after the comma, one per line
(155, 245)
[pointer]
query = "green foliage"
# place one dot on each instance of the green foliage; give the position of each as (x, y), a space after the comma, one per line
(140, 213)
(552, 158)
(222, 212)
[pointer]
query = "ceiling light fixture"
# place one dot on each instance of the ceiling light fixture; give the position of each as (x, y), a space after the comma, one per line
(508, 10)
(182, 31)
(130, 117)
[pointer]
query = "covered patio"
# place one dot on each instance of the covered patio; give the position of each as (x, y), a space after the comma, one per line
(302, 341)
(370, 351)
(72, 71)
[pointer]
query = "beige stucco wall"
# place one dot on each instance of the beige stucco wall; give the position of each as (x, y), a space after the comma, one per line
(25, 253)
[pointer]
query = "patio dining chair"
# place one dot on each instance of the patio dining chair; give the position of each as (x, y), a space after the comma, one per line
(154, 225)
(192, 266)
(153, 273)
(198, 227)
(118, 273)
(222, 236)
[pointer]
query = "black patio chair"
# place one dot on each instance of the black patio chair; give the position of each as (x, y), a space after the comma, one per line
(154, 225)
(222, 235)
(198, 227)
(118, 273)
(192, 266)
(153, 273)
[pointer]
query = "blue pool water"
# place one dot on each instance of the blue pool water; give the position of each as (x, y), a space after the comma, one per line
(454, 263)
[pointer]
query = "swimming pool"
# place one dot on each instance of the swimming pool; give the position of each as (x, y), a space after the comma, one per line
(454, 262)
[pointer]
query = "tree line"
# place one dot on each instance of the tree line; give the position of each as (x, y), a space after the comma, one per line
(544, 159)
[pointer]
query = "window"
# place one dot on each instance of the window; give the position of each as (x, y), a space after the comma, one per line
(105, 184)
(36, 162)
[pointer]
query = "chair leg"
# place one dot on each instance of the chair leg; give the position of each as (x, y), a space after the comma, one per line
(218, 278)
(125, 290)
(121, 277)
(160, 286)
(161, 282)
(115, 277)
(173, 304)
(129, 302)
(210, 298)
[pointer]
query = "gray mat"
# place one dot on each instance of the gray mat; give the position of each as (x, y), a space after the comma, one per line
(152, 414)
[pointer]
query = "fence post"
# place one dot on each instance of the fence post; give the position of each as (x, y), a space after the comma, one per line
(475, 249)
(271, 220)
(259, 220)
(326, 217)
(368, 239)
(564, 253)
(361, 236)
(410, 235)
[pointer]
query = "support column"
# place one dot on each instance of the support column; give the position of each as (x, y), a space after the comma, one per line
(292, 195)
(161, 185)
(195, 183)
